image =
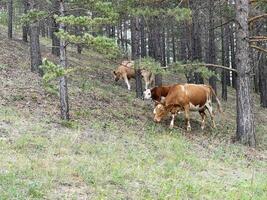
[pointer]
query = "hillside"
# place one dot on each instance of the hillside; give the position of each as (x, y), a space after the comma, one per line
(112, 149)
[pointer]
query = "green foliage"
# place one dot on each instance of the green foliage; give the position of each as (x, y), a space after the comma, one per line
(192, 67)
(3, 17)
(32, 16)
(85, 20)
(152, 65)
(179, 14)
(101, 44)
(52, 72)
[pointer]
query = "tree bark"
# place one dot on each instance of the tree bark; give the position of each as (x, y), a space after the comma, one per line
(211, 54)
(36, 59)
(135, 37)
(233, 53)
(263, 80)
(25, 28)
(173, 46)
(10, 18)
(63, 85)
(196, 44)
(223, 74)
(54, 29)
(245, 132)
(143, 38)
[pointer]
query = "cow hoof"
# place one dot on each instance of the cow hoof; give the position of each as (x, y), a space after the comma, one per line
(171, 126)
(188, 128)
(202, 127)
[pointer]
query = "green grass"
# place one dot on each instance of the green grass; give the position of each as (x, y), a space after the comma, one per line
(125, 165)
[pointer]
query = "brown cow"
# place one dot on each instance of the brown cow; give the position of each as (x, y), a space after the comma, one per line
(157, 93)
(186, 97)
(126, 71)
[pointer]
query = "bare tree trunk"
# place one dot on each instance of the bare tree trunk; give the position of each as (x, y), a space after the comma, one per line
(163, 49)
(211, 56)
(10, 18)
(223, 74)
(135, 37)
(63, 86)
(125, 38)
(263, 80)
(25, 28)
(54, 29)
(143, 38)
(196, 43)
(173, 46)
(156, 36)
(233, 52)
(36, 59)
(245, 132)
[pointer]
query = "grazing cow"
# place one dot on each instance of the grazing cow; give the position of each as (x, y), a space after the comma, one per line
(157, 93)
(126, 71)
(186, 97)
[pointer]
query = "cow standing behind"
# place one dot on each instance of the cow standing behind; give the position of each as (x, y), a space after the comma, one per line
(187, 97)
(126, 71)
(157, 93)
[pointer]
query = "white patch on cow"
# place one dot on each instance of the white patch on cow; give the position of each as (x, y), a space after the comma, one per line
(172, 121)
(208, 104)
(147, 94)
(188, 128)
(162, 99)
(193, 107)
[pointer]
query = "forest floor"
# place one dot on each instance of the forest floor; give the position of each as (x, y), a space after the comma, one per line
(111, 148)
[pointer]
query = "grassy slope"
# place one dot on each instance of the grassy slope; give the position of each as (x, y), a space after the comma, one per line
(112, 149)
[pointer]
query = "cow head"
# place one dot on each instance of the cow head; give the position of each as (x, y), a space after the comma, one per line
(147, 94)
(117, 75)
(159, 112)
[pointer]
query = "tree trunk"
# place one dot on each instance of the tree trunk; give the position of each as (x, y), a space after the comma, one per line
(125, 38)
(156, 36)
(196, 43)
(54, 29)
(36, 59)
(163, 49)
(211, 56)
(233, 52)
(135, 37)
(263, 80)
(143, 38)
(10, 18)
(173, 46)
(245, 132)
(223, 74)
(63, 86)
(25, 28)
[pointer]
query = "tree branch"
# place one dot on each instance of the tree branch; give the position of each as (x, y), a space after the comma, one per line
(257, 17)
(258, 48)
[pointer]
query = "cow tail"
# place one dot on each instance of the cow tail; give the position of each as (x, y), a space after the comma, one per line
(219, 106)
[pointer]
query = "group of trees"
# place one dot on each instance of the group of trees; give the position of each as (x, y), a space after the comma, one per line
(226, 36)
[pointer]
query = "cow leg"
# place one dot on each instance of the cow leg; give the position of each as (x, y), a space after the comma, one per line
(172, 121)
(127, 82)
(146, 85)
(146, 81)
(209, 107)
(203, 116)
(186, 110)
